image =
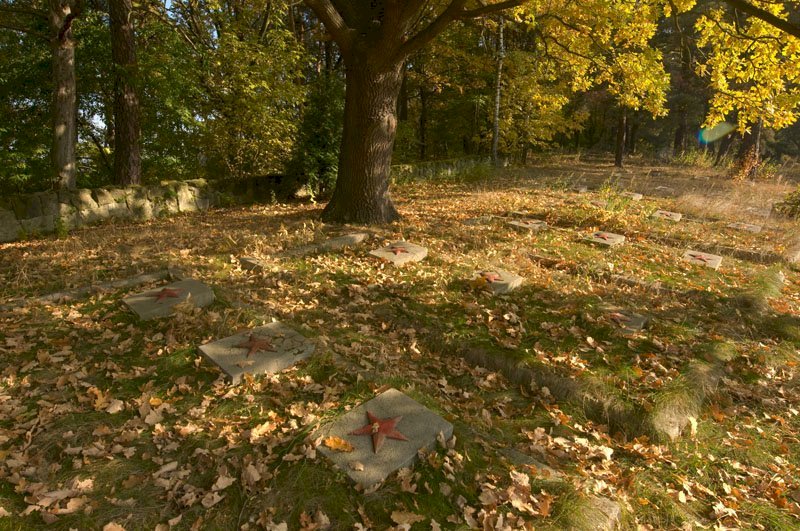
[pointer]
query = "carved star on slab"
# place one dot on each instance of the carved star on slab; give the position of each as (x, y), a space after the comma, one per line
(165, 293)
(701, 257)
(601, 235)
(397, 249)
(380, 429)
(490, 277)
(256, 344)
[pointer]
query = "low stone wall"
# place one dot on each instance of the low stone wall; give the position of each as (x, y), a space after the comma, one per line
(43, 212)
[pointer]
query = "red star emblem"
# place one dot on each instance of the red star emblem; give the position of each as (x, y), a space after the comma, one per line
(490, 276)
(601, 236)
(256, 344)
(165, 293)
(380, 429)
(396, 249)
(701, 257)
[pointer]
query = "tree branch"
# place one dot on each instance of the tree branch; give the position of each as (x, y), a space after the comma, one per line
(766, 16)
(334, 23)
(488, 9)
(429, 32)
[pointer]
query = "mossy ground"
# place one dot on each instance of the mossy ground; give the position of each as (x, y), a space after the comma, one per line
(64, 364)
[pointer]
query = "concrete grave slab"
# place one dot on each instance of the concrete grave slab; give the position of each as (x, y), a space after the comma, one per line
(748, 227)
(528, 224)
(666, 214)
(159, 302)
(249, 263)
(705, 259)
(630, 322)
(580, 189)
(481, 220)
(399, 253)
(599, 204)
(665, 189)
(340, 242)
(263, 350)
(497, 281)
(419, 425)
(608, 239)
(633, 196)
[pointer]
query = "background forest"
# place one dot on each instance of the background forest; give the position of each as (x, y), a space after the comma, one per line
(245, 88)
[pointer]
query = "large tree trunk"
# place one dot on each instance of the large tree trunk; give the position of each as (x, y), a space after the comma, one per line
(370, 125)
(127, 156)
(65, 136)
(619, 153)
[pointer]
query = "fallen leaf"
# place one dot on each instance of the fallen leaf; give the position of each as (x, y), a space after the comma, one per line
(405, 517)
(338, 444)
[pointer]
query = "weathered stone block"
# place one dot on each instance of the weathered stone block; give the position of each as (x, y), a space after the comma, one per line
(399, 253)
(608, 239)
(497, 281)
(704, 259)
(10, 229)
(83, 200)
(666, 214)
(103, 197)
(160, 302)
(263, 350)
(364, 465)
(340, 242)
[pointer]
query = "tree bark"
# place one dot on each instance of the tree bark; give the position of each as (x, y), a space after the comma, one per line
(619, 154)
(679, 142)
(127, 154)
(370, 123)
(65, 135)
(498, 92)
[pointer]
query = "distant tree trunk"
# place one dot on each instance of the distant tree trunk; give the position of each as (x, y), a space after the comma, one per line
(127, 156)
(498, 92)
(749, 156)
(65, 110)
(370, 123)
(679, 142)
(633, 129)
(723, 148)
(423, 123)
(619, 154)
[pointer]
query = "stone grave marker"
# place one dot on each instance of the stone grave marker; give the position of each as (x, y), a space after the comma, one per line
(748, 227)
(607, 238)
(763, 212)
(633, 196)
(480, 220)
(666, 214)
(249, 263)
(630, 322)
(262, 350)
(528, 224)
(497, 281)
(340, 242)
(668, 190)
(385, 434)
(705, 259)
(599, 204)
(400, 253)
(580, 189)
(159, 302)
